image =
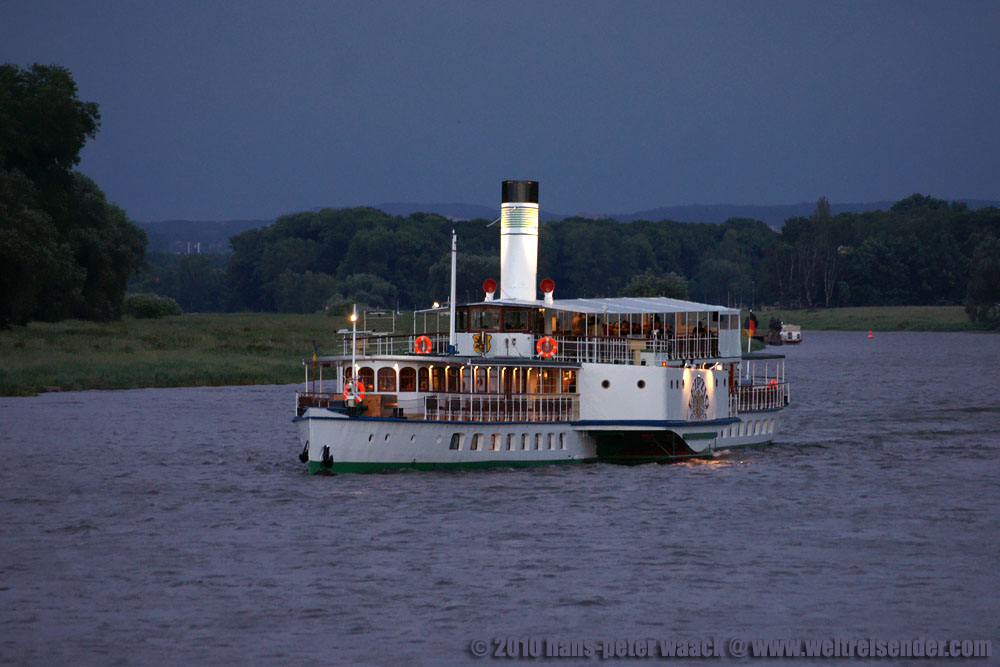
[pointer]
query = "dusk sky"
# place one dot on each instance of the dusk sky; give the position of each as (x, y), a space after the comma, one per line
(223, 110)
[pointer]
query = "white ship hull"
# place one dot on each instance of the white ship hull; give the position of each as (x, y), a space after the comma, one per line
(333, 442)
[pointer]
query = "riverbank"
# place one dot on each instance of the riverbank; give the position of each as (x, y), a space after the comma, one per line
(215, 349)
(886, 318)
(187, 350)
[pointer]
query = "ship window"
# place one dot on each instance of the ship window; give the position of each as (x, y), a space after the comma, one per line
(495, 442)
(549, 381)
(524, 441)
(552, 440)
(437, 378)
(462, 319)
(641, 384)
(422, 382)
(562, 441)
(386, 379)
(456, 441)
(477, 442)
(538, 441)
(367, 377)
(484, 319)
(515, 320)
(606, 384)
(569, 382)
(453, 379)
(371, 436)
(510, 441)
(407, 379)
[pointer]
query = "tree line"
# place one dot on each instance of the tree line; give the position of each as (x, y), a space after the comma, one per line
(922, 251)
(65, 251)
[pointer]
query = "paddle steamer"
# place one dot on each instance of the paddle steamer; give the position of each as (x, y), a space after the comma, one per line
(519, 380)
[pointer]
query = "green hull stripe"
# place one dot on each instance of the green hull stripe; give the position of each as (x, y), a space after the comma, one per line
(378, 466)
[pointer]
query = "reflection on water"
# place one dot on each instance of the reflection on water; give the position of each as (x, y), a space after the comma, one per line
(178, 525)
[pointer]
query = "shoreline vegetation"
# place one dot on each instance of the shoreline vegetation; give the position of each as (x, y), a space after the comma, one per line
(217, 349)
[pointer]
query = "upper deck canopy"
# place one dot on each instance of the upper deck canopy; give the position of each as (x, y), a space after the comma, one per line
(618, 306)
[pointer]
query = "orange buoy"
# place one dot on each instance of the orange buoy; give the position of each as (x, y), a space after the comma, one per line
(546, 347)
(361, 390)
(422, 345)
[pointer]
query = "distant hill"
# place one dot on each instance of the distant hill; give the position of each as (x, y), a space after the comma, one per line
(181, 236)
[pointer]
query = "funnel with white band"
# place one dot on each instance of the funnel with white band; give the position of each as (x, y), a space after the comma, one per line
(518, 240)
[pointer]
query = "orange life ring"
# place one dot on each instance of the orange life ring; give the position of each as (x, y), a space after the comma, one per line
(422, 345)
(546, 347)
(361, 390)
(773, 383)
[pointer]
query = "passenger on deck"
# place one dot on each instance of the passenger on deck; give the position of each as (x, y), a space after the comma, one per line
(578, 324)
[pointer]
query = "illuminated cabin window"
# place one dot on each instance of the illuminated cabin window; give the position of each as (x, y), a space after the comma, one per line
(453, 378)
(367, 377)
(437, 378)
(407, 379)
(386, 379)
(422, 381)
(569, 382)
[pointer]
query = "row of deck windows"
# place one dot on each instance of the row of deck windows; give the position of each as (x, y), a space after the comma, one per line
(512, 441)
(470, 379)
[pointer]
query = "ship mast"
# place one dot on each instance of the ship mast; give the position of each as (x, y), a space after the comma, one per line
(451, 315)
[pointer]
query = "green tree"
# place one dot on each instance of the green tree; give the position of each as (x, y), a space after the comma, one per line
(982, 301)
(650, 284)
(65, 251)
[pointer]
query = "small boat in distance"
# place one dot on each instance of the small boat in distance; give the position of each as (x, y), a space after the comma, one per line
(790, 334)
(519, 380)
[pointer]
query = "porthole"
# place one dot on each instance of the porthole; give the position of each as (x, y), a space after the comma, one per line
(641, 384)
(606, 384)
(414, 437)
(371, 436)
(387, 437)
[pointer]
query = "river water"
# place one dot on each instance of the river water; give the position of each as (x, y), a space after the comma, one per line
(177, 526)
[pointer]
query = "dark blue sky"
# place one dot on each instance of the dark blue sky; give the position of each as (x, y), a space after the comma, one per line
(217, 110)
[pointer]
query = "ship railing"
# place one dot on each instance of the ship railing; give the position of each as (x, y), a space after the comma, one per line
(569, 348)
(623, 349)
(502, 407)
(394, 344)
(734, 403)
(764, 396)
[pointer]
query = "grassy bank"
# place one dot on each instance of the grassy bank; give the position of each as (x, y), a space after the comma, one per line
(889, 318)
(260, 348)
(187, 350)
